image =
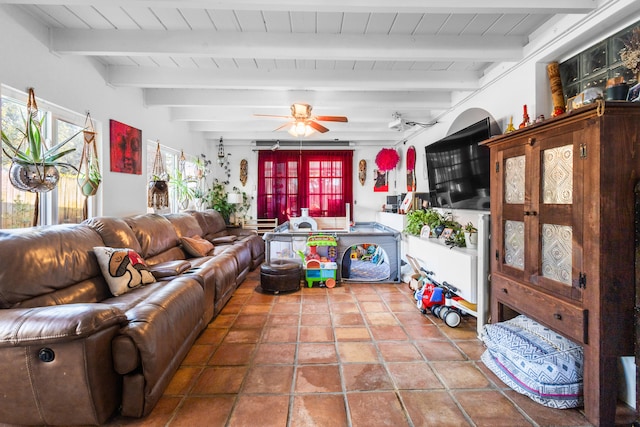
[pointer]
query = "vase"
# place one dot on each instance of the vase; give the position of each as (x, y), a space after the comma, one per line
(471, 240)
(35, 178)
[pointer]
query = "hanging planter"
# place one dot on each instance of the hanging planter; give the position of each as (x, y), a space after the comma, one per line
(34, 166)
(33, 177)
(89, 177)
(158, 191)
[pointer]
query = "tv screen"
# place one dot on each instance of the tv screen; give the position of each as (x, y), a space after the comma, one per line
(458, 169)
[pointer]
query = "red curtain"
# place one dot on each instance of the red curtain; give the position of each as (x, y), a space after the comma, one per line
(291, 180)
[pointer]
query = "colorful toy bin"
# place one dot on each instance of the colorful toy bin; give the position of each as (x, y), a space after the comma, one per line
(320, 260)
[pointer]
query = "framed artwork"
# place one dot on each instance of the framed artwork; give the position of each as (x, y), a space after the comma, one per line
(125, 149)
(425, 232)
(381, 181)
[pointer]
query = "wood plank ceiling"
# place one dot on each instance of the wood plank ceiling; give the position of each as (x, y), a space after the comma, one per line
(217, 63)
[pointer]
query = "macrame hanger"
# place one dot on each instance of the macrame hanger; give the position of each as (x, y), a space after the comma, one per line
(158, 193)
(89, 177)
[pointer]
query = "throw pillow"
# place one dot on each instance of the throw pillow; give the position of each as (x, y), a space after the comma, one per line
(123, 269)
(196, 246)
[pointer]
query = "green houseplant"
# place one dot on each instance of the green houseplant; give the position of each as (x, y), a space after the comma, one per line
(34, 168)
(184, 192)
(471, 235)
(217, 199)
(418, 218)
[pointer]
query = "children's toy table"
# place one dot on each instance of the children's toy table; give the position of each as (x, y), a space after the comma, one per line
(321, 269)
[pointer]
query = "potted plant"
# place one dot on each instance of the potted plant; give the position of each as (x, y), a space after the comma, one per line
(419, 218)
(35, 168)
(184, 192)
(90, 181)
(471, 235)
(217, 200)
(243, 208)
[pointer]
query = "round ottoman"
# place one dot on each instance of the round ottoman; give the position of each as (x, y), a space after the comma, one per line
(280, 276)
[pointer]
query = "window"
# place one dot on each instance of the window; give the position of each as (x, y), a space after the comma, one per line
(595, 65)
(64, 204)
(293, 180)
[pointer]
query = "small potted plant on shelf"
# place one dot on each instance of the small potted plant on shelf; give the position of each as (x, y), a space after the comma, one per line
(471, 235)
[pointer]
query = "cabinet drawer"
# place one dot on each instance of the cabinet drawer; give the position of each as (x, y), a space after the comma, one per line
(557, 314)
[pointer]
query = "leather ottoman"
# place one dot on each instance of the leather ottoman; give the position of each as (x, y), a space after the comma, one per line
(280, 276)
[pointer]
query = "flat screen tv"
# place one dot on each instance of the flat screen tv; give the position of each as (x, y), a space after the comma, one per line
(458, 169)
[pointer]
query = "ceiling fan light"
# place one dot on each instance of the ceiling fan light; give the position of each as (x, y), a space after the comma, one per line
(301, 129)
(308, 130)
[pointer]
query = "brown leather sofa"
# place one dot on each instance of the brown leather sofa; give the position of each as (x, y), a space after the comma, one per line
(70, 351)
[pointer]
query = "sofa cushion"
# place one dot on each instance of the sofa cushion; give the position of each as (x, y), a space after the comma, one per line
(123, 269)
(184, 224)
(211, 222)
(46, 260)
(154, 233)
(115, 232)
(196, 246)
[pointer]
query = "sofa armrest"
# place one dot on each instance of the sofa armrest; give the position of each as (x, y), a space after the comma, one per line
(169, 268)
(241, 232)
(58, 323)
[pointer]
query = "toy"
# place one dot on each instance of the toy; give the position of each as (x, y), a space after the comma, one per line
(320, 268)
(441, 300)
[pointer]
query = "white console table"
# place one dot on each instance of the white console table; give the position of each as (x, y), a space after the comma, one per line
(465, 269)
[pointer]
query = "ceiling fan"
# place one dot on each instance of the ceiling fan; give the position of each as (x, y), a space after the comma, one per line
(302, 123)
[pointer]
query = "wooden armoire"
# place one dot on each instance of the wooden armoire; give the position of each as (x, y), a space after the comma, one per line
(562, 235)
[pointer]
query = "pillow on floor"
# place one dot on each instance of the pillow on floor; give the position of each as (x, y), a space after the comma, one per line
(123, 269)
(196, 246)
(535, 361)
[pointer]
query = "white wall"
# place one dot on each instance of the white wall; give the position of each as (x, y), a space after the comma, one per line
(77, 84)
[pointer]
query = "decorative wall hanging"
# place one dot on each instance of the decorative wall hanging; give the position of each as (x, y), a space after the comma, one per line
(244, 171)
(381, 185)
(125, 148)
(387, 159)
(362, 171)
(411, 165)
(221, 155)
(89, 177)
(158, 192)
(35, 168)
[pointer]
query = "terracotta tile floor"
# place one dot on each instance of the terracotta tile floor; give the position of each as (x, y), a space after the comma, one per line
(354, 355)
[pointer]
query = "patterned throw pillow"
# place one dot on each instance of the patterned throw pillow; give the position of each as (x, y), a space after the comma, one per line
(123, 269)
(196, 246)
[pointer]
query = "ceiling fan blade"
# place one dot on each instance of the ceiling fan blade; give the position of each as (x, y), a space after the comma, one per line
(274, 116)
(331, 118)
(286, 125)
(317, 126)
